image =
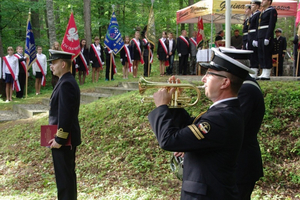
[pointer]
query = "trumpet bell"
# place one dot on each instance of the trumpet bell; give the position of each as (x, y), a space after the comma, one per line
(178, 100)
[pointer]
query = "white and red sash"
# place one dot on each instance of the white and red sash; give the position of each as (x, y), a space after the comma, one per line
(193, 41)
(96, 54)
(139, 49)
(127, 51)
(187, 42)
(149, 49)
(23, 63)
(113, 62)
(43, 83)
(16, 82)
(165, 50)
(85, 63)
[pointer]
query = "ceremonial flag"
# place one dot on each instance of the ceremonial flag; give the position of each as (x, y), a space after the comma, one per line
(71, 41)
(30, 48)
(298, 15)
(200, 33)
(150, 33)
(113, 38)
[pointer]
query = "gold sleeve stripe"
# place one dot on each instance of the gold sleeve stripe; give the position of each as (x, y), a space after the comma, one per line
(61, 134)
(196, 131)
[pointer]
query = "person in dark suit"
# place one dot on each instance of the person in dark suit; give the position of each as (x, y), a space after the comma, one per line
(252, 36)
(96, 57)
(172, 49)
(237, 40)
(219, 38)
(265, 34)
(64, 109)
(22, 71)
(183, 49)
(147, 46)
(296, 50)
(280, 49)
(246, 26)
(110, 64)
(249, 163)
(211, 141)
(83, 61)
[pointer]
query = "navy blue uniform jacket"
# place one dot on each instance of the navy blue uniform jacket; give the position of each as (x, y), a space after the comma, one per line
(64, 108)
(211, 144)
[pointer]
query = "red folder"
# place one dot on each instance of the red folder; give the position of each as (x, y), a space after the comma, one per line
(48, 132)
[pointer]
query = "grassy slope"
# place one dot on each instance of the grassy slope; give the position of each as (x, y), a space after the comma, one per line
(120, 158)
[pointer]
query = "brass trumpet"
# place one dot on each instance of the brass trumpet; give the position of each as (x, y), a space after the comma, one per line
(177, 100)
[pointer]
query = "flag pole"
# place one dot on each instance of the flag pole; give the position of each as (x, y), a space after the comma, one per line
(27, 59)
(110, 66)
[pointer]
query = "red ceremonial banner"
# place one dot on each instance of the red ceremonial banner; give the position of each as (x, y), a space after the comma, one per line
(200, 30)
(298, 15)
(71, 41)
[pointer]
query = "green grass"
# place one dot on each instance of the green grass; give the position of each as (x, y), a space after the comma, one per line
(120, 158)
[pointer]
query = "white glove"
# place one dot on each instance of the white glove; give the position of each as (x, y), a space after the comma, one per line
(110, 51)
(4, 77)
(266, 42)
(16, 78)
(247, 45)
(254, 43)
(33, 73)
(76, 66)
(179, 55)
(132, 60)
(121, 60)
(91, 61)
(102, 63)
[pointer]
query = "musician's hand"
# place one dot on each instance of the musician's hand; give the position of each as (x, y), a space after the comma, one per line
(175, 80)
(179, 154)
(162, 97)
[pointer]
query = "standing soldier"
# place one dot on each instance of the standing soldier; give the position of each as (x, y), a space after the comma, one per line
(183, 49)
(246, 25)
(252, 36)
(193, 60)
(280, 49)
(265, 34)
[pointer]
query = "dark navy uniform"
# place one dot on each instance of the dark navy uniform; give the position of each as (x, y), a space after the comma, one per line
(64, 109)
(250, 168)
(245, 34)
(266, 26)
(211, 144)
(280, 49)
(183, 49)
(252, 35)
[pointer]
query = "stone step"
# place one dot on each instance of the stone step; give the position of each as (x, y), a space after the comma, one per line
(46, 101)
(90, 97)
(113, 90)
(8, 115)
(131, 85)
(29, 110)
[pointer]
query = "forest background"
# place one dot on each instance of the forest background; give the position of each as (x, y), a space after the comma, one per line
(49, 19)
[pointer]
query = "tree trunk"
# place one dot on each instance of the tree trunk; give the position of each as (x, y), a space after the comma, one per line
(51, 22)
(191, 25)
(87, 21)
(35, 22)
(181, 25)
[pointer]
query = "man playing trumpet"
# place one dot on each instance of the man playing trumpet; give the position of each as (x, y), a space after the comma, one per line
(211, 141)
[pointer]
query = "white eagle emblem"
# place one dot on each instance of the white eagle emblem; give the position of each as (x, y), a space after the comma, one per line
(72, 34)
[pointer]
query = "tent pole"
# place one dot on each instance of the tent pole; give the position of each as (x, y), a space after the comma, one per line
(227, 23)
(211, 30)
